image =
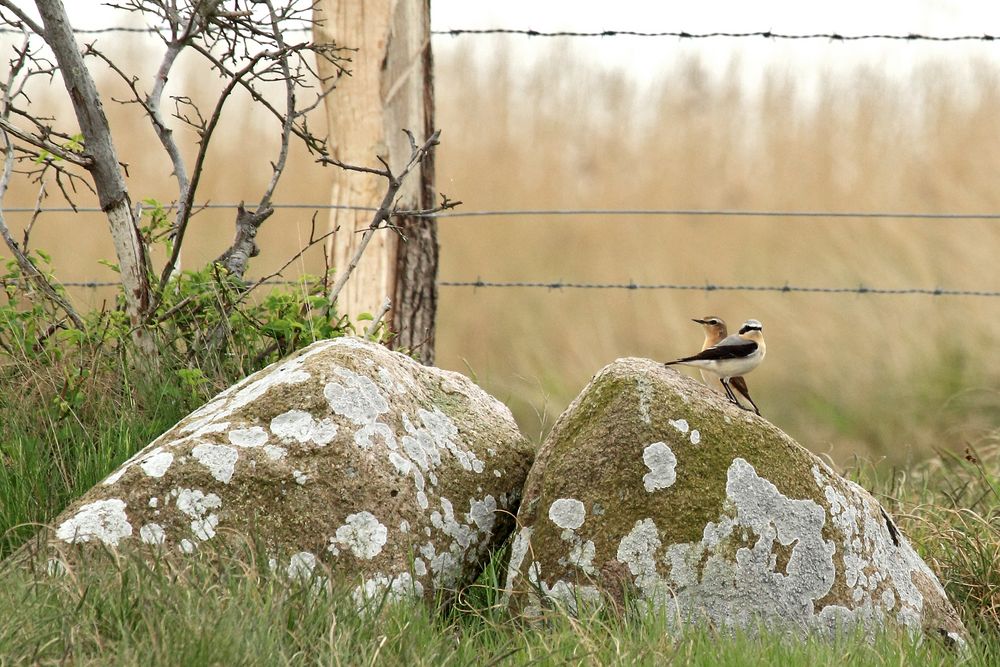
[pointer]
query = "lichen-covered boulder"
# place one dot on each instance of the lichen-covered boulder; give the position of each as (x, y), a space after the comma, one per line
(388, 472)
(652, 487)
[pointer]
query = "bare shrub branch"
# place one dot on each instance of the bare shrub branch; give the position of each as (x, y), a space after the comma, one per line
(387, 209)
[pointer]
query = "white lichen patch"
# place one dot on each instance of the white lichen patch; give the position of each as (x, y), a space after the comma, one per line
(662, 464)
(679, 424)
(103, 520)
(367, 436)
(219, 459)
(214, 427)
(356, 397)
(880, 574)
(300, 477)
(482, 513)
(645, 392)
(152, 533)
(302, 427)
(389, 384)
(289, 372)
(462, 534)
(250, 438)
(301, 566)
(568, 595)
(323, 432)
(204, 527)
(582, 556)
(124, 467)
(186, 546)
(198, 506)
(157, 463)
(293, 425)
(402, 464)
(637, 550)
(567, 513)
(695, 437)
(381, 588)
(444, 434)
(195, 502)
(363, 534)
(706, 575)
(446, 567)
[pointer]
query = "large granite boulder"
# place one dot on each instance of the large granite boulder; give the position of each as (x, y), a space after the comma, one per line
(652, 487)
(394, 475)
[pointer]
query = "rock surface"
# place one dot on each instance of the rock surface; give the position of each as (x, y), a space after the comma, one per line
(651, 486)
(346, 454)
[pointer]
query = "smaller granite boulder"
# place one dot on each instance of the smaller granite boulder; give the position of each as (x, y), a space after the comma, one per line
(653, 487)
(388, 472)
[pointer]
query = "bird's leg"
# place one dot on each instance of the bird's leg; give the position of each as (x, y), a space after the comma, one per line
(729, 390)
(740, 385)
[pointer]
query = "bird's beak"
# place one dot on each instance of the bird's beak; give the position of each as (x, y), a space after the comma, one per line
(699, 321)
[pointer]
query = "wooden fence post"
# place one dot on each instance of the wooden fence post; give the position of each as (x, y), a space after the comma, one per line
(390, 88)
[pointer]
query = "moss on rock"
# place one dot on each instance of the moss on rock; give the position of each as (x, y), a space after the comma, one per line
(686, 501)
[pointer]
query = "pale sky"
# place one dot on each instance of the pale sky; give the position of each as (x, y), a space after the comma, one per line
(642, 59)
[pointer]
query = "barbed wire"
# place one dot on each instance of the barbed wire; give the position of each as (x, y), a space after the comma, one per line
(612, 212)
(706, 287)
(676, 34)
(683, 34)
(710, 287)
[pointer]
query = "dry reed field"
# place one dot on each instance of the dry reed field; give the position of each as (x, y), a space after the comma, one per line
(881, 376)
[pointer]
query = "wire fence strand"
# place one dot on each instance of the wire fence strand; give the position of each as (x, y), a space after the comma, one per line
(667, 212)
(632, 286)
(683, 34)
(710, 287)
(673, 34)
(582, 212)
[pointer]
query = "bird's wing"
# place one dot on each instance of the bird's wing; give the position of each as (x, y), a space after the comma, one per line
(733, 347)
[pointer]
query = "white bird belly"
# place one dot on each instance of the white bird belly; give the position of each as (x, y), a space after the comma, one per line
(728, 368)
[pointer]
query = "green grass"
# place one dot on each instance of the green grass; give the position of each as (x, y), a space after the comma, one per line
(234, 610)
(47, 459)
(238, 612)
(950, 507)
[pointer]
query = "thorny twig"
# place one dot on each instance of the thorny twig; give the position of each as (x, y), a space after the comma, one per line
(272, 62)
(42, 194)
(28, 268)
(14, 85)
(246, 46)
(313, 240)
(377, 320)
(387, 208)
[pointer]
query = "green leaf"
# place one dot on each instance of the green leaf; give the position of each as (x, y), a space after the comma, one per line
(111, 265)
